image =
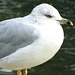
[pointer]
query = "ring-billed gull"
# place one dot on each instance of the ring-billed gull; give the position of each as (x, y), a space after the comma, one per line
(29, 41)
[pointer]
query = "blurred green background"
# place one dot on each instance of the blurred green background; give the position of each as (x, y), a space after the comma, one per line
(63, 63)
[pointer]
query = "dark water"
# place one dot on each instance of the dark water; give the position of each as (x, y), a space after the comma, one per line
(63, 63)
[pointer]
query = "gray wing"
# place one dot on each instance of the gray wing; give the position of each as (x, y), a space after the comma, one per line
(14, 35)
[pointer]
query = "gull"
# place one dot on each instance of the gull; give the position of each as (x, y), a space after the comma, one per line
(29, 41)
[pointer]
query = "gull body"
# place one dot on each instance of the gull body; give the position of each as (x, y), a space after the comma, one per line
(39, 51)
(29, 41)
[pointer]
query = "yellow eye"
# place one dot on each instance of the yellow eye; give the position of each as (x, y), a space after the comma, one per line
(48, 16)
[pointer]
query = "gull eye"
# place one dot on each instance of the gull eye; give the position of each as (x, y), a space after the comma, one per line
(48, 16)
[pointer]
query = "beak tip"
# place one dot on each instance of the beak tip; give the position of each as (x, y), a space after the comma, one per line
(69, 23)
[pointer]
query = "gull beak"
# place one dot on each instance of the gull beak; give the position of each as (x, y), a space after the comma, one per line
(65, 21)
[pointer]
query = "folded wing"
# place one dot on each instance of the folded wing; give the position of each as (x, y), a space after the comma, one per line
(15, 34)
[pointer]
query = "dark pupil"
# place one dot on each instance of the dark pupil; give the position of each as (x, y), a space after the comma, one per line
(48, 16)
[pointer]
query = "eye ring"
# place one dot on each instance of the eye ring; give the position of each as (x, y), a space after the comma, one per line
(48, 16)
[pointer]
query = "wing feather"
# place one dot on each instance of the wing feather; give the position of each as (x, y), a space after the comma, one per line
(14, 34)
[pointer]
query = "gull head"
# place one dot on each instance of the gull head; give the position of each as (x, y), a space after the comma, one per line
(48, 12)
